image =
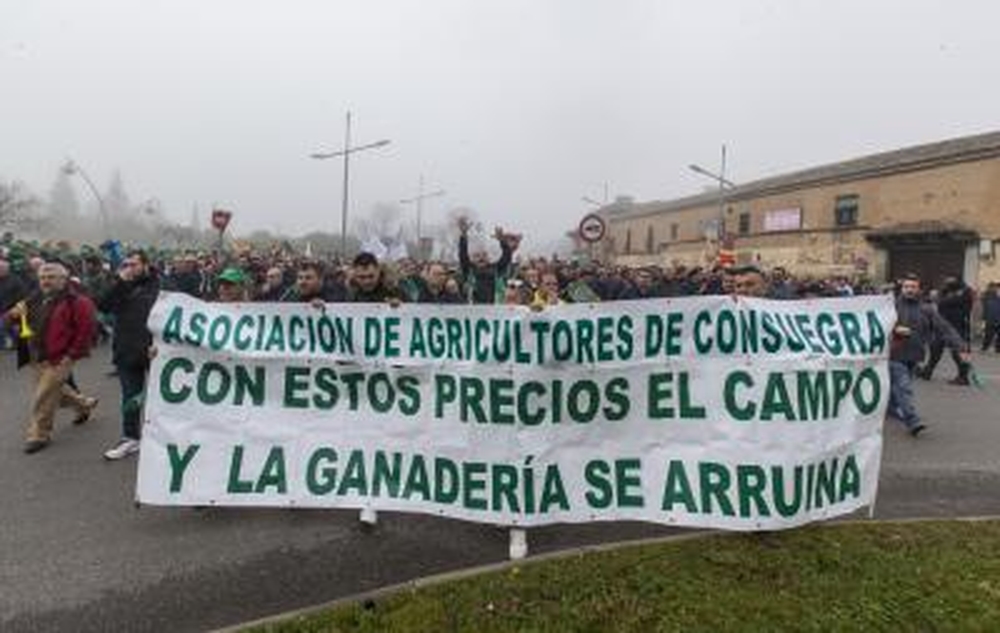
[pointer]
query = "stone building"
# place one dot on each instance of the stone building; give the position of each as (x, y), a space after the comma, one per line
(933, 209)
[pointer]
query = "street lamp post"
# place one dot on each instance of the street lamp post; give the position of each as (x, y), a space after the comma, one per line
(590, 200)
(720, 178)
(346, 153)
(71, 168)
(419, 201)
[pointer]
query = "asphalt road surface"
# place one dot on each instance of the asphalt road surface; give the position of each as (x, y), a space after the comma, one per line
(77, 555)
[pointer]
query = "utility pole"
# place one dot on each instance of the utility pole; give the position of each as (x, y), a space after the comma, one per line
(346, 153)
(720, 178)
(347, 181)
(419, 201)
(724, 244)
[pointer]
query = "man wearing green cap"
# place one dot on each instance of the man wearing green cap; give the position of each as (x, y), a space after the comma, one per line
(231, 286)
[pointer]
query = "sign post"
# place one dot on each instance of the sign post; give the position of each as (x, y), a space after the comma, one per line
(591, 230)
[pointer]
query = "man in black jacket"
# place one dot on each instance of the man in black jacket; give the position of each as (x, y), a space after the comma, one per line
(479, 275)
(369, 282)
(184, 276)
(955, 306)
(129, 301)
(311, 287)
(274, 287)
(431, 286)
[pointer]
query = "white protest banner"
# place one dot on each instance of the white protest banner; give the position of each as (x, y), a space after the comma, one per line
(703, 411)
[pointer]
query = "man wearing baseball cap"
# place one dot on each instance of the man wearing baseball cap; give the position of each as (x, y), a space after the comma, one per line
(231, 286)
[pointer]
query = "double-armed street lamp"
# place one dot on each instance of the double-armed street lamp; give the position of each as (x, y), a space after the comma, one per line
(596, 203)
(346, 153)
(720, 178)
(419, 201)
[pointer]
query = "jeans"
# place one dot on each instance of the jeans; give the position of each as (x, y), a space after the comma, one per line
(133, 382)
(901, 394)
(992, 333)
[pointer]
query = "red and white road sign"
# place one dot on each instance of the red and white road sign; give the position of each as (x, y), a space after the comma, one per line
(220, 219)
(592, 228)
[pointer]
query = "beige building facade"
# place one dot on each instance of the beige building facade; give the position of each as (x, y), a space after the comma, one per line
(932, 209)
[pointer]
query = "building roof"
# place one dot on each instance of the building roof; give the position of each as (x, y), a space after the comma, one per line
(957, 150)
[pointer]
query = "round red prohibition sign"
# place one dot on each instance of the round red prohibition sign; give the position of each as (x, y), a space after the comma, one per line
(592, 228)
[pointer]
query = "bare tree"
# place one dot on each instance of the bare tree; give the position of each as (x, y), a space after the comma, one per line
(116, 200)
(445, 235)
(18, 207)
(382, 221)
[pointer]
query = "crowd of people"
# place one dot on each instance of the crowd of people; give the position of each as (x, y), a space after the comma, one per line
(56, 303)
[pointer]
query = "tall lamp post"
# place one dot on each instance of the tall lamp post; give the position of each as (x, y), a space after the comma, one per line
(590, 200)
(71, 168)
(419, 201)
(723, 184)
(346, 153)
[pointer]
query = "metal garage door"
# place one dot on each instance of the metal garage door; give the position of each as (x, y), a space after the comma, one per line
(932, 263)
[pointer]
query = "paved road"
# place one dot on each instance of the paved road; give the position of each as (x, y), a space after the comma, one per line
(77, 555)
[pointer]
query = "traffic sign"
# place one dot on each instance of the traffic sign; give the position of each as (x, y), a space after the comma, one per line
(220, 219)
(592, 228)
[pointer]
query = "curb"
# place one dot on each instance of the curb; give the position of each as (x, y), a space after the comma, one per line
(460, 574)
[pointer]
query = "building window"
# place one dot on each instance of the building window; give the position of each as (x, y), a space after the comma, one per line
(650, 239)
(674, 230)
(745, 223)
(846, 210)
(628, 241)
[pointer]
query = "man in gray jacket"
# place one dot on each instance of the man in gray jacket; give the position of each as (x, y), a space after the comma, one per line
(917, 325)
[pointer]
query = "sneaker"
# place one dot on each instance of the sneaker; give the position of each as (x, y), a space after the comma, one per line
(917, 430)
(125, 447)
(368, 518)
(960, 381)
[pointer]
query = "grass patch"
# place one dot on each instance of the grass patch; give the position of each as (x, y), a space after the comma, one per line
(937, 576)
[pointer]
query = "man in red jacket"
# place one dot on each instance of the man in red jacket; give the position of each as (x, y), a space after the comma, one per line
(62, 325)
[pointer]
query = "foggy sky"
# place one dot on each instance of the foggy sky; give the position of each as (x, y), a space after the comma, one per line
(516, 107)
